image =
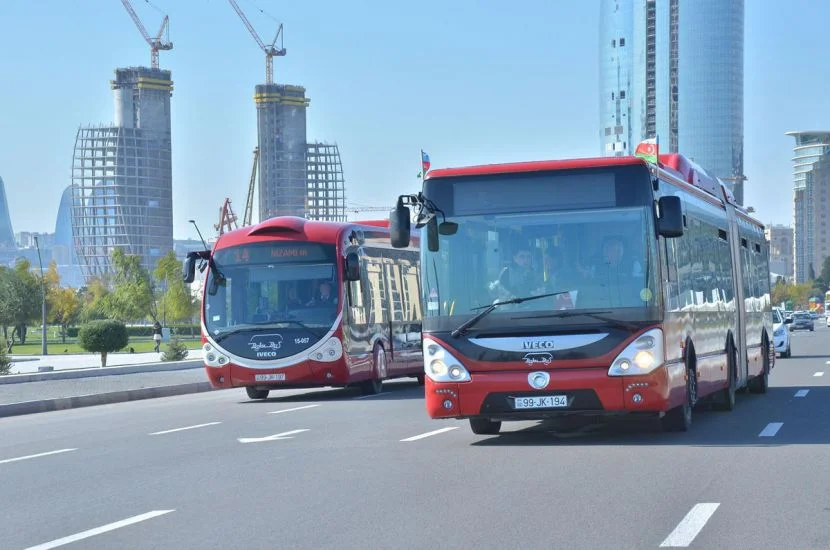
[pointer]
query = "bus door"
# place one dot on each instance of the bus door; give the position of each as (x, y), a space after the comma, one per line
(738, 288)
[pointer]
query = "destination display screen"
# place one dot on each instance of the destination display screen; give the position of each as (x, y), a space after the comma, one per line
(274, 252)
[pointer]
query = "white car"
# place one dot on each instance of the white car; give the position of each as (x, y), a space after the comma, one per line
(781, 334)
(828, 320)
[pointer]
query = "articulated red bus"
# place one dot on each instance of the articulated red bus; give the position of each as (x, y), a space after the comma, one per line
(294, 303)
(588, 287)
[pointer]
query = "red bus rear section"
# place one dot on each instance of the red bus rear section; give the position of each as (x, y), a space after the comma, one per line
(292, 303)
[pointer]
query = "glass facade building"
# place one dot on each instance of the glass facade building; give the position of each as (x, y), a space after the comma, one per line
(811, 201)
(684, 64)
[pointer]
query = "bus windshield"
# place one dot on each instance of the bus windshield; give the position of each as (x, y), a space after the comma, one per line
(288, 287)
(599, 247)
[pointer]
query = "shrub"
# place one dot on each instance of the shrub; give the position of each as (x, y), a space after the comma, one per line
(5, 362)
(103, 337)
(176, 351)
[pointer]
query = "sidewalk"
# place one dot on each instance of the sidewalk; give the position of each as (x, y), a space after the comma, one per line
(23, 364)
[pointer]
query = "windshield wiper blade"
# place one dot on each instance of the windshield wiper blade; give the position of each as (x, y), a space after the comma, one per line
(599, 315)
(258, 326)
(293, 322)
(466, 325)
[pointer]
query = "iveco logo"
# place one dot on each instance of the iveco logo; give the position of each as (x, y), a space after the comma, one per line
(538, 380)
(537, 344)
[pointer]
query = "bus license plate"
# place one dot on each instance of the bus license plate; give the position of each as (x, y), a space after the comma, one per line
(541, 402)
(269, 377)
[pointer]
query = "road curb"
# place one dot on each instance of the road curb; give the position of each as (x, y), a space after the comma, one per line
(63, 403)
(93, 372)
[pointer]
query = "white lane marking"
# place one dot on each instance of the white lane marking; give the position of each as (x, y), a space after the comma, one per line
(6, 461)
(275, 437)
(819, 373)
(690, 525)
(185, 428)
(294, 409)
(802, 393)
(771, 429)
(99, 530)
(429, 434)
(370, 395)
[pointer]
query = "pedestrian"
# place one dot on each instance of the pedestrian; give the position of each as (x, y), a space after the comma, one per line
(157, 336)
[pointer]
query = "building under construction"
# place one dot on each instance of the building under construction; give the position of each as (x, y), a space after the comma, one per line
(326, 194)
(122, 175)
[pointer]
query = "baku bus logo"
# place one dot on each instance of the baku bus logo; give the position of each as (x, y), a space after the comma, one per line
(531, 359)
(266, 345)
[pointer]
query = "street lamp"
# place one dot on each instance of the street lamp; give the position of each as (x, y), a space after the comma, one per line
(43, 350)
(199, 232)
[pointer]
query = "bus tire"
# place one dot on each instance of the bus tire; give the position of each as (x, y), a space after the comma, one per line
(726, 397)
(254, 393)
(679, 419)
(484, 426)
(374, 385)
(421, 379)
(760, 383)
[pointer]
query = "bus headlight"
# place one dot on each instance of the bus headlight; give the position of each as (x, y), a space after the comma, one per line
(441, 366)
(329, 352)
(213, 357)
(641, 356)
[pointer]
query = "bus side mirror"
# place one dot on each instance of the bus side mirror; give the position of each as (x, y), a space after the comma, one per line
(189, 268)
(352, 267)
(399, 225)
(670, 222)
(432, 234)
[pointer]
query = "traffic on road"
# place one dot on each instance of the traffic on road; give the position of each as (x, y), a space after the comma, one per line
(333, 468)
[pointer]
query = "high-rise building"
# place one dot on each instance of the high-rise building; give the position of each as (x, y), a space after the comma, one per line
(122, 175)
(780, 238)
(811, 201)
(675, 71)
(8, 247)
(281, 126)
(326, 192)
(63, 250)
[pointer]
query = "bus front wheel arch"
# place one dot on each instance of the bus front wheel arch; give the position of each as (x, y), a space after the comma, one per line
(679, 419)
(374, 385)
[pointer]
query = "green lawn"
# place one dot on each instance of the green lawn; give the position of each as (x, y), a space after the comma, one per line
(32, 346)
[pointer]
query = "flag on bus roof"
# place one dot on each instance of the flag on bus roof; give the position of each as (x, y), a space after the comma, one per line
(648, 150)
(424, 162)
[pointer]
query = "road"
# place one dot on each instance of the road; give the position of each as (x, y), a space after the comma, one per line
(328, 469)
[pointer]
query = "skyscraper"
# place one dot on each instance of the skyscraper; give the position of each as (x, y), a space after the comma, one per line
(8, 246)
(281, 125)
(811, 202)
(122, 175)
(685, 63)
(326, 188)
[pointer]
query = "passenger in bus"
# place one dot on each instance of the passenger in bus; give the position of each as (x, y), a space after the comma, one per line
(293, 301)
(323, 296)
(614, 261)
(519, 278)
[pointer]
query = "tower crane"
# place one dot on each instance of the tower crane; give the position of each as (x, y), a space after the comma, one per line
(270, 51)
(227, 219)
(156, 43)
(249, 205)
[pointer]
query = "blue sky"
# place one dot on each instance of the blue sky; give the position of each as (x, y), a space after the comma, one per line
(470, 82)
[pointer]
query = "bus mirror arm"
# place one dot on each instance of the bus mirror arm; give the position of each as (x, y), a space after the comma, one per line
(669, 217)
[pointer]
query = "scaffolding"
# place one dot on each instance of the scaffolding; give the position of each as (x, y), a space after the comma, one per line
(326, 195)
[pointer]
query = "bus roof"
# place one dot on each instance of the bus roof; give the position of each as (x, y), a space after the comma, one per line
(675, 164)
(293, 227)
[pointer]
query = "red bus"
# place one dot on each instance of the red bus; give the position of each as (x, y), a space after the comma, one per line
(294, 303)
(587, 287)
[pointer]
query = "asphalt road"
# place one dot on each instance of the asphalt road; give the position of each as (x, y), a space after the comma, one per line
(350, 472)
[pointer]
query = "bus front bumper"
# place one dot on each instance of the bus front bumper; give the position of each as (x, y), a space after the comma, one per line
(588, 391)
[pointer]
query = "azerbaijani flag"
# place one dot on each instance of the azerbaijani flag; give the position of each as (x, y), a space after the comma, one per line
(424, 162)
(648, 150)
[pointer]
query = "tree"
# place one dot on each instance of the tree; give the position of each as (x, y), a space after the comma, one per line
(132, 295)
(103, 337)
(176, 351)
(19, 301)
(29, 285)
(93, 300)
(175, 301)
(64, 309)
(5, 362)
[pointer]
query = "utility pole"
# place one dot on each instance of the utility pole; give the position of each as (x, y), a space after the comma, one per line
(43, 349)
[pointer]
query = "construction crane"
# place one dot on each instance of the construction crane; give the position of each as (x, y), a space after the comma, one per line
(156, 43)
(270, 51)
(227, 219)
(249, 205)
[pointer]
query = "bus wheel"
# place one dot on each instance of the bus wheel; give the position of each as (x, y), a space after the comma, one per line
(421, 379)
(254, 393)
(760, 383)
(726, 399)
(679, 419)
(484, 426)
(374, 385)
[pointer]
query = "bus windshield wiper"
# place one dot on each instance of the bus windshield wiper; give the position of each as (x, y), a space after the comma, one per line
(598, 315)
(293, 322)
(486, 310)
